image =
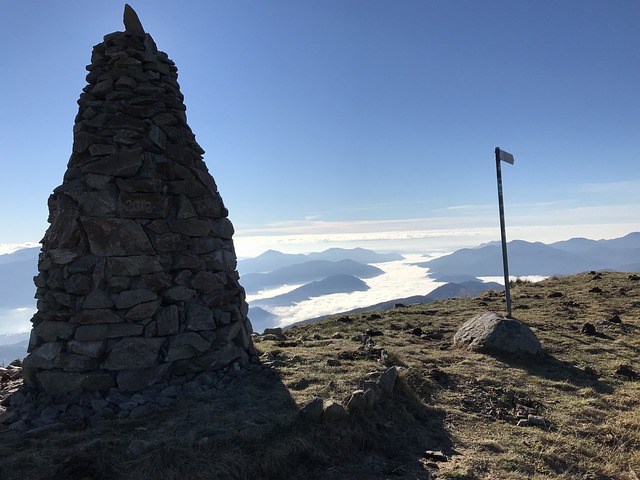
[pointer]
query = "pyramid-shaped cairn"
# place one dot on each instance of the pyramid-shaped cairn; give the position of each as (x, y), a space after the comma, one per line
(137, 280)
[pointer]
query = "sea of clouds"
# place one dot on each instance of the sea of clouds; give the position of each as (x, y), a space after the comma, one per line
(400, 279)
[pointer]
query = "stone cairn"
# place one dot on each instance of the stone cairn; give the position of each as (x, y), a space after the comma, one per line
(137, 287)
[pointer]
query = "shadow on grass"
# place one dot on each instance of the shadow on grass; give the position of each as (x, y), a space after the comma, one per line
(549, 367)
(249, 429)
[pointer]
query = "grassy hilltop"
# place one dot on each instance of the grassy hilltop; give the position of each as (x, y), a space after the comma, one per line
(452, 414)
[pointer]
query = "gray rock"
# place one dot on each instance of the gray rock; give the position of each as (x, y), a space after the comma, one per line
(116, 398)
(167, 321)
(334, 411)
(134, 353)
(388, 379)
(97, 299)
(142, 311)
(76, 412)
(50, 331)
(177, 294)
(313, 410)
(134, 266)
(536, 420)
(56, 382)
(186, 345)
(212, 360)
(116, 237)
(72, 362)
(131, 298)
(86, 333)
(138, 447)
(134, 380)
(199, 317)
(356, 401)
(373, 393)
(93, 349)
(491, 333)
(206, 282)
(98, 404)
(45, 356)
(124, 163)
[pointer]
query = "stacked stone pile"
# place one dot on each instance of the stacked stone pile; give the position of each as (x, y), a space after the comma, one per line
(31, 412)
(137, 282)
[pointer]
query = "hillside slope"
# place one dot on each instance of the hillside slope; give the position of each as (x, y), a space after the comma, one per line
(452, 414)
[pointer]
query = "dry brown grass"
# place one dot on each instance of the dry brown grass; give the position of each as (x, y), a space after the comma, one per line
(464, 404)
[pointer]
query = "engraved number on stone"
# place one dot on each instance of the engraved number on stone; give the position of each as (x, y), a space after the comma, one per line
(138, 205)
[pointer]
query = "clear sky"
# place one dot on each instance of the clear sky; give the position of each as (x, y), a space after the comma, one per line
(357, 122)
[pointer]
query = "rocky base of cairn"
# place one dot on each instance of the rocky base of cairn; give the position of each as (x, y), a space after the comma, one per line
(27, 411)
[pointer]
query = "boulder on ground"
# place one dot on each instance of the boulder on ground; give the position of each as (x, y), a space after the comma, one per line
(491, 333)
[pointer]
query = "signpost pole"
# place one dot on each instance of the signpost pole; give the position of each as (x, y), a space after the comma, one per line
(507, 291)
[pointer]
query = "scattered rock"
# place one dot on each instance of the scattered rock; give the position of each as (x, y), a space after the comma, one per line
(589, 329)
(440, 377)
(138, 447)
(276, 332)
(536, 421)
(437, 335)
(312, 410)
(356, 401)
(627, 371)
(615, 318)
(334, 411)
(373, 393)
(417, 331)
(435, 456)
(595, 290)
(388, 379)
(374, 333)
(299, 384)
(333, 362)
(555, 295)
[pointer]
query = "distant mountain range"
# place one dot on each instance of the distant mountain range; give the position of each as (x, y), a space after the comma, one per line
(345, 271)
(526, 258)
(261, 319)
(273, 260)
(17, 270)
(306, 272)
(13, 346)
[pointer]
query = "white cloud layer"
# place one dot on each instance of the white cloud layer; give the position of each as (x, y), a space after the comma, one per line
(16, 320)
(14, 247)
(400, 280)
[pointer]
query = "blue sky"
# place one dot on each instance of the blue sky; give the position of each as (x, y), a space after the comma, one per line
(358, 123)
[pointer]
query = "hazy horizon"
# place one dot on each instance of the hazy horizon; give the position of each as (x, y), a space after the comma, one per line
(399, 280)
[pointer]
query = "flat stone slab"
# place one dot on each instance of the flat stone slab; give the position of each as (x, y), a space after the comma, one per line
(491, 333)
